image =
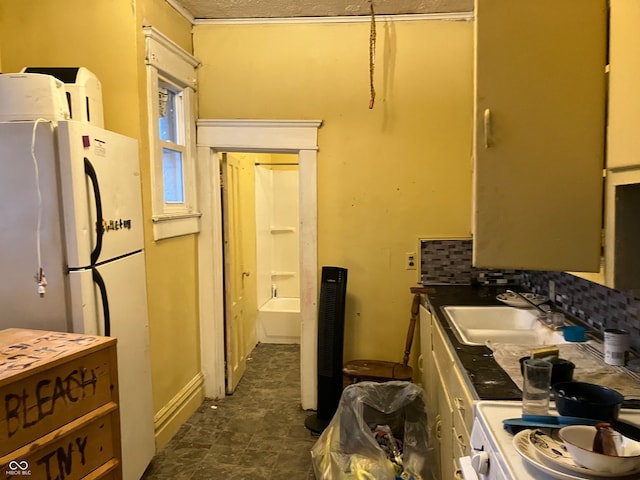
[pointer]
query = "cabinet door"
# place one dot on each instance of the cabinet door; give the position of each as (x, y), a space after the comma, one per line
(539, 133)
(431, 386)
(445, 431)
(623, 145)
(429, 371)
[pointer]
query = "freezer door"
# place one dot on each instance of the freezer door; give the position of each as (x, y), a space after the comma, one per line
(28, 191)
(125, 289)
(101, 193)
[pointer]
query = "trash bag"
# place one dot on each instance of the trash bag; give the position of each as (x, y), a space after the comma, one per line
(379, 432)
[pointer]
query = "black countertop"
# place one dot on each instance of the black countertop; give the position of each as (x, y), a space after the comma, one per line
(488, 379)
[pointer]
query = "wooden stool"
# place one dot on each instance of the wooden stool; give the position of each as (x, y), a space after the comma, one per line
(381, 370)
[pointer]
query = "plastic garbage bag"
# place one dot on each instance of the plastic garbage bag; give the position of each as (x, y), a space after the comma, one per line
(379, 432)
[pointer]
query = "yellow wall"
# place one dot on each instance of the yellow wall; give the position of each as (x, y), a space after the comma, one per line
(386, 176)
(172, 269)
(106, 37)
(102, 38)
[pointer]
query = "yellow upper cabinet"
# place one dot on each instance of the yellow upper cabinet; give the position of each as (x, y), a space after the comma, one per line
(623, 146)
(539, 133)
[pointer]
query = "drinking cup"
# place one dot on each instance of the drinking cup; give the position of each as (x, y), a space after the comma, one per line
(535, 390)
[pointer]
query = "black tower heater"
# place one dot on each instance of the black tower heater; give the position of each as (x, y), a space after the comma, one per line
(333, 291)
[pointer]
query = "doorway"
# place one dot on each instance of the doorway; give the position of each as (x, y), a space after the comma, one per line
(292, 137)
(260, 223)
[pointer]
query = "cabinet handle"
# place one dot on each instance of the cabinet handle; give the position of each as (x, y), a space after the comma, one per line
(420, 363)
(487, 128)
(461, 442)
(458, 474)
(459, 403)
(438, 427)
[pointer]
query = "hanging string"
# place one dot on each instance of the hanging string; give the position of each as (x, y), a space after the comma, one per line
(372, 55)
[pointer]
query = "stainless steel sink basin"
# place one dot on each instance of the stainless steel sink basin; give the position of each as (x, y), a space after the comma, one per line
(477, 325)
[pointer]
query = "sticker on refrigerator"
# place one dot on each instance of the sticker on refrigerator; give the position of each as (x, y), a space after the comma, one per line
(100, 148)
(120, 224)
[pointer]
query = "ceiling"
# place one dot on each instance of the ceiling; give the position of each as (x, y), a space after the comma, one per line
(226, 9)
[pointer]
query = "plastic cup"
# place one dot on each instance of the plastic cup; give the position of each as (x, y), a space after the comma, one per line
(574, 333)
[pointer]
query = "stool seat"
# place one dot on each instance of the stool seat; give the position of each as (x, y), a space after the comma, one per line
(377, 370)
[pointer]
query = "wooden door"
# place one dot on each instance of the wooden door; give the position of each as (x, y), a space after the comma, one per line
(235, 344)
(539, 133)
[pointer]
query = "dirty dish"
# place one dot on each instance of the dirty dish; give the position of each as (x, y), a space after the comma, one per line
(525, 449)
(587, 400)
(578, 442)
(514, 300)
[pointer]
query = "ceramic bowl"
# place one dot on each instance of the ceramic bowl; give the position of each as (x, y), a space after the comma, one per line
(587, 400)
(578, 440)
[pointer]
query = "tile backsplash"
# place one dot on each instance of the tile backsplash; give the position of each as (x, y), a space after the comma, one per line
(597, 305)
(448, 261)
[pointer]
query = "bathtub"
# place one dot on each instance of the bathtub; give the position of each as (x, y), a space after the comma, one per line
(279, 321)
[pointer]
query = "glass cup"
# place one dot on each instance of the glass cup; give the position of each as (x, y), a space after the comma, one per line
(535, 390)
(557, 320)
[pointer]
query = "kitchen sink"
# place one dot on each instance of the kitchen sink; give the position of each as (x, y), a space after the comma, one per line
(477, 325)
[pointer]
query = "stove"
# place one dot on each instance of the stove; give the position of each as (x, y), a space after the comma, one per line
(493, 455)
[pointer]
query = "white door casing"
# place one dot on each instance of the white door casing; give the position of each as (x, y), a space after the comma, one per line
(272, 136)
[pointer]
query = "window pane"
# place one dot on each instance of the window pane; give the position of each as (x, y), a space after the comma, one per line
(172, 175)
(168, 122)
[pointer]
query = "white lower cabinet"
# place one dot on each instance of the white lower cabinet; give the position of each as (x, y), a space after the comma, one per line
(449, 402)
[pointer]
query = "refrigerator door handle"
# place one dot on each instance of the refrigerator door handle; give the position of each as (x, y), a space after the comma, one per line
(99, 281)
(91, 173)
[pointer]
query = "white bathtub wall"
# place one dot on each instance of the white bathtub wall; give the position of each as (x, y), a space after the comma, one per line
(279, 321)
(285, 242)
(264, 207)
(277, 233)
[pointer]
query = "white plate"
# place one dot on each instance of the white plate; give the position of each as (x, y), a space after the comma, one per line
(514, 300)
(529, 453)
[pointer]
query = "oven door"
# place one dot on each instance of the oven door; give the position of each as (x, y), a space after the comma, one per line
(484, 463)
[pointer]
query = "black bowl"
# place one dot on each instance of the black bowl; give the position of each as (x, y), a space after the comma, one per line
(561, 370)
(587, 400)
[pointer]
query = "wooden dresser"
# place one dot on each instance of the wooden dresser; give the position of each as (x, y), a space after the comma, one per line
(59, 404)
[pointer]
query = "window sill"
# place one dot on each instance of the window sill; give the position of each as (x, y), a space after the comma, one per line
(168, 226)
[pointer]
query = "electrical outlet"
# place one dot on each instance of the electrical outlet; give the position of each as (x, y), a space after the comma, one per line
(410, 261)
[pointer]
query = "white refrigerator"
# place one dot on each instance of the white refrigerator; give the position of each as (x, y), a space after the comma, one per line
(71, 206)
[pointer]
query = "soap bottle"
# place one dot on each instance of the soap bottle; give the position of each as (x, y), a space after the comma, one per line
(274, 290)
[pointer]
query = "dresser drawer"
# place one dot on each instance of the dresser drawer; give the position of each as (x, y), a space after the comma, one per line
(70, 452)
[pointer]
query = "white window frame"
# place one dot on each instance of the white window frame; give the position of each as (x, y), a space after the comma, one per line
(169, 63)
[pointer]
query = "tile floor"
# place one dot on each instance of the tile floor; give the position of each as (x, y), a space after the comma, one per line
(256, 433)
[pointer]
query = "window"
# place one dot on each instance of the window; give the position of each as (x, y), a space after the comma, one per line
(170, 131)
(171, 87)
